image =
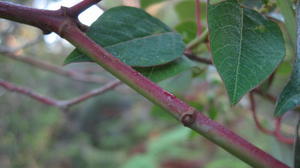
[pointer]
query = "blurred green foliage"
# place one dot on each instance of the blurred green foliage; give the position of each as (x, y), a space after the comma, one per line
(120, 128)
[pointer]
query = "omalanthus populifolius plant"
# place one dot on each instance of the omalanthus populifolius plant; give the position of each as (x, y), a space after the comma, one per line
(246, 47)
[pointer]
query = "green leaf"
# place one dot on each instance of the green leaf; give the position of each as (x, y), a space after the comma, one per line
(290, 96)
(286, 8)
(160, 73)
(147, 3)
(188, 30)
(246, 46)
(186, 10)
(133, 36)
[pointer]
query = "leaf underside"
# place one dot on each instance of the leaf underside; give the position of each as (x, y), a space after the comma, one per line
(246, 46)
(133, 36)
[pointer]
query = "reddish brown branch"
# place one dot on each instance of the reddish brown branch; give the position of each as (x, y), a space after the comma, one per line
(198, 59)
(63, 104)
(198, 17)
(28, 92)
(92, 93)
(265, 95)
(254, 115)
(278, 134)
(75, 10)
(55, 69)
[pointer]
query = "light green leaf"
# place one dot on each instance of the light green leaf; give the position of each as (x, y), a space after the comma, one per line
(246, 46)
(133, 36)
(188, 30)
(186, 10)
(286, 8)
(290, 96)
(147, 3)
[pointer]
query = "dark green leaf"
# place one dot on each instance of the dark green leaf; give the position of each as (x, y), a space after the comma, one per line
(133, 36)
(246, 46)
(290, 96)
(160, 73)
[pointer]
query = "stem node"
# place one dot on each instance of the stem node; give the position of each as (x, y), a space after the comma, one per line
(188, 118)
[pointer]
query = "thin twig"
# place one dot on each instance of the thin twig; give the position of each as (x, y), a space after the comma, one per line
(81, 6)
(254, 115)
(198, 59)
(28, 92)
(198, 40)
(55, 69)
(198, 17)
(92, 93)
(265, 95)
(63, 104)
(278, 134)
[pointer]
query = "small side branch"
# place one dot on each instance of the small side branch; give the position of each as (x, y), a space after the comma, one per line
(276, 132)
(28, 92)
(198, 16)
(254, 115)
(62, 104)
(55, 69)
(75, 10)
(92, 93)
(198, 59)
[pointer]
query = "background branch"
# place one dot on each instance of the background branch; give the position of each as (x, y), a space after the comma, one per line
(63, 104)
(56, 69)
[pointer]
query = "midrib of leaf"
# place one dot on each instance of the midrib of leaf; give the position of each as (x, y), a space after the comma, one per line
(239, 57)
(138, 38)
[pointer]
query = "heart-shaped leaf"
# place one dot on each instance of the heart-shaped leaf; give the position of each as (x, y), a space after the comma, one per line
(133, 36)
(246, 46)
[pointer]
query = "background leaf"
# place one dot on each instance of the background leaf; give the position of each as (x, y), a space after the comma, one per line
(246, 47)
(188, 30)
(290, 96)
(186, 10)
(146, 3)
(286, 8)
(133, 36)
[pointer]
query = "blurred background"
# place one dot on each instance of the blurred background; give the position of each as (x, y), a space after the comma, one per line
(120, 128)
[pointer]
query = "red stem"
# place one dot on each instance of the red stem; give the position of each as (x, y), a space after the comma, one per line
(63, 104)
(28, 92)
(92, 93)
(55, 69)
(278, 134)
(195, 120)
(75, 10)
(198, 16)
(198, 59)
(254, 115)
